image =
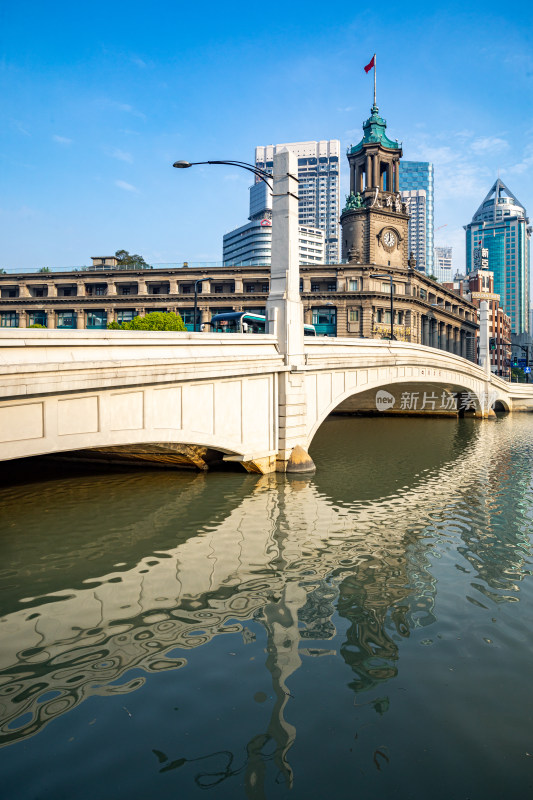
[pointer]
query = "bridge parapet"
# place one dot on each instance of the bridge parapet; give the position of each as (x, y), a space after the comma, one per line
(176, 397)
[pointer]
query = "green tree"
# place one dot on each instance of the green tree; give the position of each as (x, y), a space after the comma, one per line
(133, 261)
(44, 269)
(154, 321)
(36, 325)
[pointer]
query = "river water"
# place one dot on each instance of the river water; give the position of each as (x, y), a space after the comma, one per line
(363, 632)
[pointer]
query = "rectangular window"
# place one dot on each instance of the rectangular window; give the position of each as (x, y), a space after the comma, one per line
(332, 287)
(315, 287)
(249, 288)
(126, 315)
(218, 288)
(9, 319)
(37, 318)
(353, 315)
(97, 318)
(353, 285)
(66, 319)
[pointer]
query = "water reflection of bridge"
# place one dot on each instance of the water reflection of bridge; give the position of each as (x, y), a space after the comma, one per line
(281, 553)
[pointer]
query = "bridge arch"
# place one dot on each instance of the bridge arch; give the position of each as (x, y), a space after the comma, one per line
(356, 391)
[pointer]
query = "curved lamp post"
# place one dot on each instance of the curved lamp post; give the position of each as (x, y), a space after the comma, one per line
(200, 280)
(389, 277)
(259, 173)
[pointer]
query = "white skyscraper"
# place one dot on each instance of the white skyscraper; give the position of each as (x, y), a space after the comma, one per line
(319, 188)
(251, 244)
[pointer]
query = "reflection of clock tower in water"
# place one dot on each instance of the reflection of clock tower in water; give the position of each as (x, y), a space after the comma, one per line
(374, 221)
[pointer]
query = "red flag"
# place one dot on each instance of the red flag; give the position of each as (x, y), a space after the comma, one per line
(369, 66)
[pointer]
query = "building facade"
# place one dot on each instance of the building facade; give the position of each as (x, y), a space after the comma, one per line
(501, 226)
(342, 300)
(479, 286)
(319, 188)
(442, 264)
(251, 244)
(416, 188)
(352, 298)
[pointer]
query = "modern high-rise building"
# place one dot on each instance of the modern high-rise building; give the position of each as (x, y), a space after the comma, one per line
(319, 188)
(251, 244)
(442, 264)
(416, 188)
(501, 226)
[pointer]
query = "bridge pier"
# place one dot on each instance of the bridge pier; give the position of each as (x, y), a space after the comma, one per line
(285, 313)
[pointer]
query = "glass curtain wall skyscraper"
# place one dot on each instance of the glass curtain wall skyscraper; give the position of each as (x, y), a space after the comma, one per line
(319, 188)
(416, 188)
(443, 264)
(501, 226)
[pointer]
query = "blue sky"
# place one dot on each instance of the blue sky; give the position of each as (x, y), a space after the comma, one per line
(100, 98)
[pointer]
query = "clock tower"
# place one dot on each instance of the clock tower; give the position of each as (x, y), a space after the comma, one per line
(374, 220)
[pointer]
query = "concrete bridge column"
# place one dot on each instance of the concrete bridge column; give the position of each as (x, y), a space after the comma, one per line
(285, 314)
(205, 318)
(484, 353)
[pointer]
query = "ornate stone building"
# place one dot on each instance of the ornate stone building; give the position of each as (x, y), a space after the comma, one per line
(352, 298)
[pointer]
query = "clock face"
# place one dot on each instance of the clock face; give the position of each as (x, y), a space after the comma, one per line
(389, 239)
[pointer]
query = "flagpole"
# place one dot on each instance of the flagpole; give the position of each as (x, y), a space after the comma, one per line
(375, 70)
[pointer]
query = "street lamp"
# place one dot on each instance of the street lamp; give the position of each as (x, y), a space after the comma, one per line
(200, 280)
(389, 277)
(259, 173)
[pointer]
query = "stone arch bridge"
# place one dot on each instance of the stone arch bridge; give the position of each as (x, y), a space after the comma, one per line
(192, 399)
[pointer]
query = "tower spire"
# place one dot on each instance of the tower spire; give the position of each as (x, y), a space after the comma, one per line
(375, 70)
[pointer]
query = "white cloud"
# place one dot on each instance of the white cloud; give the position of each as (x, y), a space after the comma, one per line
(61, 139)
(489, 144)
(128, 187)
(525, 164)
(121, 155)
(20, 127)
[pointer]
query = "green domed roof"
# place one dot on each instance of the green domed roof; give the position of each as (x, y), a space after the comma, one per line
(374, 132)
